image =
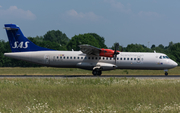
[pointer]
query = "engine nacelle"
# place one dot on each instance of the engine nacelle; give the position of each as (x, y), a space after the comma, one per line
(106, 52)
(92, 66)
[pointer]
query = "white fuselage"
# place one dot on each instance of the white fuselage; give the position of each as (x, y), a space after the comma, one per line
(77, 59)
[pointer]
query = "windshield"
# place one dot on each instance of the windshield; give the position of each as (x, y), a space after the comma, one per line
(163, 57)
(167, 57)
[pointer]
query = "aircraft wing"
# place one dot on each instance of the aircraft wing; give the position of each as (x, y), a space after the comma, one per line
(90, 50)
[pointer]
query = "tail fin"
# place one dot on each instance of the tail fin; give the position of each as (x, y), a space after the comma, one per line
(18, 42)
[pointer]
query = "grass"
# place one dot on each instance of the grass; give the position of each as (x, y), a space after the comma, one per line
(89, 95)
(76, 71)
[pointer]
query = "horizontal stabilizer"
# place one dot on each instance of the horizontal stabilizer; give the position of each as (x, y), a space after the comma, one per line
(11, 28)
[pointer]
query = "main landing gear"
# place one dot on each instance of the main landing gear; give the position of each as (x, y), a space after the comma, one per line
(97, 72)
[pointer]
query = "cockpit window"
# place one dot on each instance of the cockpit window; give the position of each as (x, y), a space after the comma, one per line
(163, 57)
(167, 57)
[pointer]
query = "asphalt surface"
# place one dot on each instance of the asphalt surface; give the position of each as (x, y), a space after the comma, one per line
(91, 76)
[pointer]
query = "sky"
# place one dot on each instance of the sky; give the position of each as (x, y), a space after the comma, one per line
(144, 22)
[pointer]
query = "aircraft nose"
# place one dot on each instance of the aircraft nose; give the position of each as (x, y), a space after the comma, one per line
(174, 64)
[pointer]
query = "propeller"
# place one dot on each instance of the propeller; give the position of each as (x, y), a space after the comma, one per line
(115, 51)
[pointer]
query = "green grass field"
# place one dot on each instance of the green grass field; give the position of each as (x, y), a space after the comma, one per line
(76, 71)
(94, 95)
(88, 95)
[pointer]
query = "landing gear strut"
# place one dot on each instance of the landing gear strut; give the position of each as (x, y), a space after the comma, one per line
(97, 72)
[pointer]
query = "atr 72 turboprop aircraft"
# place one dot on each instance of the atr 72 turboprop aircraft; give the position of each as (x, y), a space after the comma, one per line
(90, 58)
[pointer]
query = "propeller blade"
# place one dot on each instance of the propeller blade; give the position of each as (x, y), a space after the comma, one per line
(115, 51)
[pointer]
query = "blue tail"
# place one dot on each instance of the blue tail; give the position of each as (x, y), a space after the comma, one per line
(18, 42)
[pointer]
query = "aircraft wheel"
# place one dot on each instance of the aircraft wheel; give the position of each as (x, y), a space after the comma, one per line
(96, 72)
(166, 73)
(99, 72)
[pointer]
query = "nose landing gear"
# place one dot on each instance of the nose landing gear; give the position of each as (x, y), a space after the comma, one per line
(166, 72)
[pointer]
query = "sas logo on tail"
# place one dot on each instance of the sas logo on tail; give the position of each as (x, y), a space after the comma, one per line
(20, 45)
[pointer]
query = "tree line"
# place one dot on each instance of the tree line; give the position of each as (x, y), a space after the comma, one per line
(57, 40)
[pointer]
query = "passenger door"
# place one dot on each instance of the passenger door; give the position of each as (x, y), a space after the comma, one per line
(46, 59)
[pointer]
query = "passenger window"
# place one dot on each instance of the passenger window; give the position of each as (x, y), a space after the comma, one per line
(127, 58)
(60, 57)
(67, 57)
(103, 58)
(64, 57)
(124, 58)
(77, 57)
(57, 57)
(92, 57)
(138, 58)
(99, 58)
(70, 57)
(96, 58)
(117, 58)
(74, 57)
(120, 58)
(81, 57)
(89, 58)
(110, 58)
(106, 58)
(164, 56)
(134, 58)
(160, 57)
(131, 58)
(85, 57)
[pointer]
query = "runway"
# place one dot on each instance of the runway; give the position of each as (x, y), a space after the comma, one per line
(90, 76)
